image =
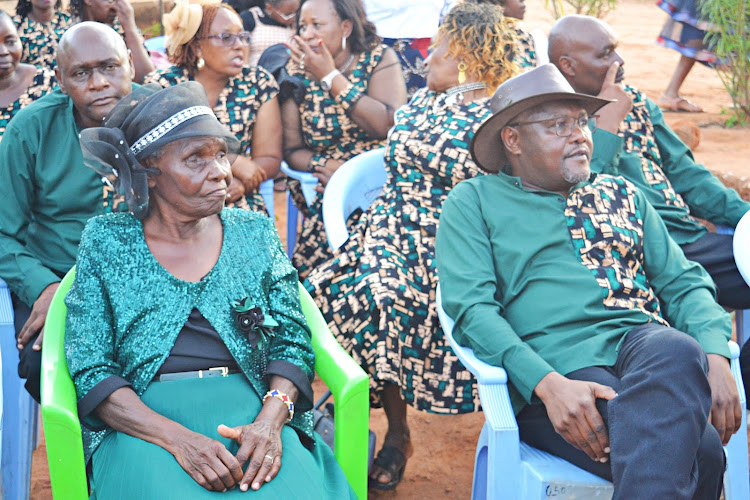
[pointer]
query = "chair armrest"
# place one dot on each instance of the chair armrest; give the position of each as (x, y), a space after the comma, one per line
(485, 373)
(306, 179)
(349, 385)
(62, 429)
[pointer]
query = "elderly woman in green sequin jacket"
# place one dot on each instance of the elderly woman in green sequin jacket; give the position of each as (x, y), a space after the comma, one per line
(184, 337)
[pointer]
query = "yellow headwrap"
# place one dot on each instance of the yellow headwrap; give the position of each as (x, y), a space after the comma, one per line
(182, 23)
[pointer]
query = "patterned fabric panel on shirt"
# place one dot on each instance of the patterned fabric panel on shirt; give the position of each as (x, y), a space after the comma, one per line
(265, 35)
(607, 230)
(40, 39)
(526, 55)
(43, 82)
(638, 133)
(378, 293)
(330, 132)
(237, 109)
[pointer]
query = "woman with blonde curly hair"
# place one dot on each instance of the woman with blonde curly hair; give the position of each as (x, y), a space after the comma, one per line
(208, 44)
(378, 291)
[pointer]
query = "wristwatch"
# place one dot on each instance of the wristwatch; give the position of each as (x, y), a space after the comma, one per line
(327, 80)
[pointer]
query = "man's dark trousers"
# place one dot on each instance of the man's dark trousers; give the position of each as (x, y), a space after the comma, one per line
(662, 445)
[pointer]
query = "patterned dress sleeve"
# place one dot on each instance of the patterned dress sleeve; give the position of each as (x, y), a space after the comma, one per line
(168, 77)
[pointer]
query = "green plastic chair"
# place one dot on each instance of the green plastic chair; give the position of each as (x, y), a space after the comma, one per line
(62, 429)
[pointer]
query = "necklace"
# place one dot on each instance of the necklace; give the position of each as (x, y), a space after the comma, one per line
(456, 94)
(348, 63)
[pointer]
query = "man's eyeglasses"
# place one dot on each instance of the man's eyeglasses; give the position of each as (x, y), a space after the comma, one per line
(564, 124)
(227, 39)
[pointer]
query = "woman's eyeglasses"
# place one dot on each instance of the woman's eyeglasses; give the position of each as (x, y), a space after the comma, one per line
(227, 39)
(564, 125)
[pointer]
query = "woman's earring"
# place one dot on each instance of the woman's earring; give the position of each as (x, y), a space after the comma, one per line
(343, 43)
(461, 72)
(200, 63)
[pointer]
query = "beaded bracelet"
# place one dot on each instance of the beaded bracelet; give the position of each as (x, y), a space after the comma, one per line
(348, 97)
(284, 399)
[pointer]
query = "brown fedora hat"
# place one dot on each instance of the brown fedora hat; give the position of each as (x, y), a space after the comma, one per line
(542, 84)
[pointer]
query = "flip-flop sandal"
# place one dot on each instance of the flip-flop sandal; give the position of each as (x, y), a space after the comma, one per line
(392, 461)
(679, 105)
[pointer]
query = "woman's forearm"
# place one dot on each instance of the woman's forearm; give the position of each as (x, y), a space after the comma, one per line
(274, 410)
(373, 116)
(124, 411)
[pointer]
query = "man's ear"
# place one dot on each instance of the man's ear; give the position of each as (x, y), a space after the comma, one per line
(511, 140)
(60, 81)
(567, 66)
(132, 66)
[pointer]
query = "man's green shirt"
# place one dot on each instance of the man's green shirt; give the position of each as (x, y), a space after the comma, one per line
(538, 282)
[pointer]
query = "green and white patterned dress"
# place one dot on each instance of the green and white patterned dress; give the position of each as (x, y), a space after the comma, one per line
(378, 292)
(43, 82)
(40, 39)
(237, 108)
(329, 131)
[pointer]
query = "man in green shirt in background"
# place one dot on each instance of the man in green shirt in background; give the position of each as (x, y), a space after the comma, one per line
(47, 192)
(632, 140)
(615, 348)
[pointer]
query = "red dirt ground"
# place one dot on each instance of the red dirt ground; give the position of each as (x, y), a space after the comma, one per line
(443, 461)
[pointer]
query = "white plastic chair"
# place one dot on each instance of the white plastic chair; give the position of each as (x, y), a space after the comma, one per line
(355, 184)
(741, 245)
(308, 183)
(540, 46)
(509, 469)
(266, 191)
(20, 413)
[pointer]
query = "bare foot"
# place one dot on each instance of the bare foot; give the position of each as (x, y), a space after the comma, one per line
(679, 104)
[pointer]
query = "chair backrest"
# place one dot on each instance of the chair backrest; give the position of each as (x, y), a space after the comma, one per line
(355, 184)
(741, 244)
(344, 377)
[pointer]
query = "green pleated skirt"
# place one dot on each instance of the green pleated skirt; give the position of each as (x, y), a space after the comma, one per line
(124, 467)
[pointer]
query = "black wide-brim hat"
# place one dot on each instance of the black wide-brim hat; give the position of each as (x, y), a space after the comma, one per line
(152, 116)
(542, 84)
(141, 124)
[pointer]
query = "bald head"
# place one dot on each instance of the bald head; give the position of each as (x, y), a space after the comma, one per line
(583, 48)
(87, 34)
(94, 69)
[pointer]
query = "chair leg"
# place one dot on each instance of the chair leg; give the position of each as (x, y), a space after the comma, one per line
(20, 414)
(742, 323)
(292, 214)
(479, 486)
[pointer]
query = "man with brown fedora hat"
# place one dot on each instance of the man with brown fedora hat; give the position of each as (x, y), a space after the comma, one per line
(571, 283)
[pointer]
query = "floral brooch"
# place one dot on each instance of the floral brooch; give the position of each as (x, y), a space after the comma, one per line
(250, 319)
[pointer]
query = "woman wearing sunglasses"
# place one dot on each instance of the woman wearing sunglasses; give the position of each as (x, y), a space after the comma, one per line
(207, 44)
(269, 25)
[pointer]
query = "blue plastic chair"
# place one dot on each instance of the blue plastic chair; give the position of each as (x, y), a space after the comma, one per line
(20, 411)
(266, 191)
(155, 44)
(308, 183)
(355, 184)
(507, 468)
